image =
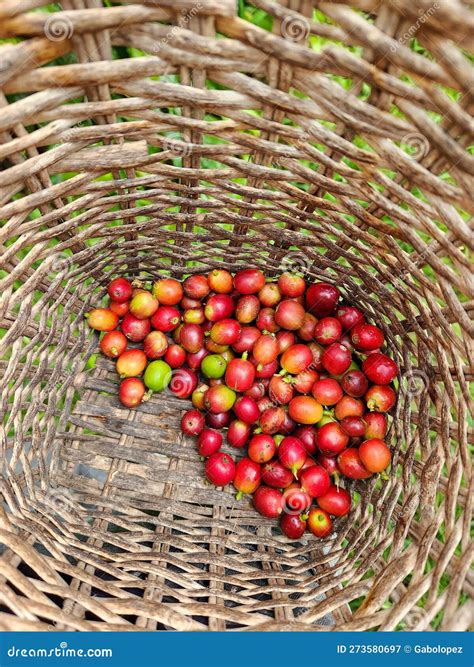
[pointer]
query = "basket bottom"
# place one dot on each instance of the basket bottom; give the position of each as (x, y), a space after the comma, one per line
(148, 540)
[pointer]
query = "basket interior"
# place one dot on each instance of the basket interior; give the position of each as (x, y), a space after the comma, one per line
(139, 166)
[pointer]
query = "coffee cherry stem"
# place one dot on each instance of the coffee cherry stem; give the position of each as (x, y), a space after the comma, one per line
(239, 495)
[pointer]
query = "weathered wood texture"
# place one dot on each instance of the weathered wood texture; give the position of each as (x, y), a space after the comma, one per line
(136, 165)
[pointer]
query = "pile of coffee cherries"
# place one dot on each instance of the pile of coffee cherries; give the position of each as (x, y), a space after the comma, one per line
(294, 378)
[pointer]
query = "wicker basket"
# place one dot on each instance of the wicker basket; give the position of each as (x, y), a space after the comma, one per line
(328, 140)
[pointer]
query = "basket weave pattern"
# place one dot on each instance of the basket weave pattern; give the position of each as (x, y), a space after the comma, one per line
(136, 165)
